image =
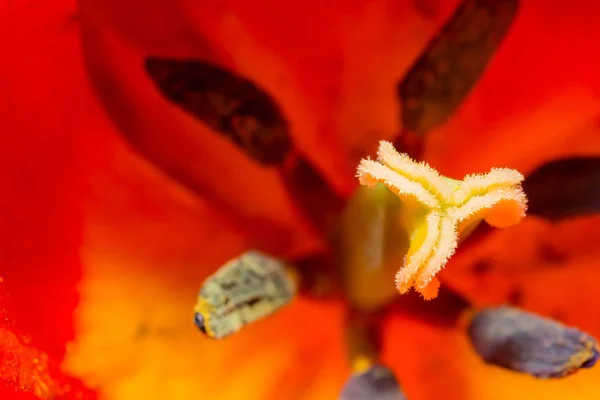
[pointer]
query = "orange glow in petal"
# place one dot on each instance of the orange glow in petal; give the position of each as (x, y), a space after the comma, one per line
(136, 324)
(148, 248)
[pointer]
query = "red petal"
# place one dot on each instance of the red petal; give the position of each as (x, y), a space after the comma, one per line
(42, 170)
(45, 108)
(538, 100)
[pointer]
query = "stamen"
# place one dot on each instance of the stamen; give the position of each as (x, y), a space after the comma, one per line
(376, 383)
(527, 343)
(244, 290)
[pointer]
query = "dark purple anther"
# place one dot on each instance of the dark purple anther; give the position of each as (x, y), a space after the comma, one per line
(376, 383)
(525, 342)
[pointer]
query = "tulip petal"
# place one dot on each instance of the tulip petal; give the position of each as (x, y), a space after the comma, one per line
(49, 122)
(189, 152)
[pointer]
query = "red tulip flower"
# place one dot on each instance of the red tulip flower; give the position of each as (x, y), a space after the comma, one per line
(145, 144)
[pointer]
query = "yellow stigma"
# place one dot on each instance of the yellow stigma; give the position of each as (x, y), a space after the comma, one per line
(439, 209)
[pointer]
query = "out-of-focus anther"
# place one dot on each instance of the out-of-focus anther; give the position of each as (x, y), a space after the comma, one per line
(528, 343)
(375, 383)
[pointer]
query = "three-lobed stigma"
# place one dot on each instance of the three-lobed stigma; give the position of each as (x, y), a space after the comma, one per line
(438, 209)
